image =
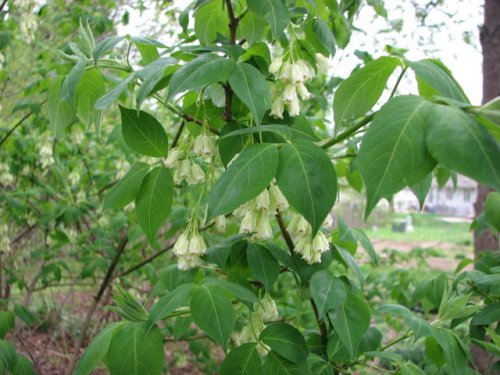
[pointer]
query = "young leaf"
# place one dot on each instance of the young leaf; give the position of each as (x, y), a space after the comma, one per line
(244, 179)
(420, 327)
(96, 351)
(251, 28)
(434, 74)
(68, 88)
(126, 190)
(150, 76)
(104, 46)
(363, 239)
(143, 133)
(243, 360)
(277, 365)
(460, 143)
(327, 291)
(136, 350)
(393, 153)
(209, 20)
(275, 12)
(307, 178)
(7, 319)
(90, 89)
(213, 312)
(286, 340)
(251, 87)
(168, 303)
(105, 100)
(202, 71)
(153, 201)
(263, 265)
(361, 91)
(350, 321)
(61, 114)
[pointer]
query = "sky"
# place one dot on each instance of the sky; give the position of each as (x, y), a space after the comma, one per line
(446, 42)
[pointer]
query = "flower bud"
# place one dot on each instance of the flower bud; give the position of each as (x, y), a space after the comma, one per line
(197, 245)
(322, 63)
(264, 230)
(220, 223)
(267, 309)
(181, 246)
(197, 174)
(277, 199)
(289, 94)
(306, 69)
(172, 158)
(275, 66)
(185, 170)
(198, 145)
(297, 75)
(249, 222)
(209, 146)
(277, 107)
(286, 72)
(262, 201)
(303, 92)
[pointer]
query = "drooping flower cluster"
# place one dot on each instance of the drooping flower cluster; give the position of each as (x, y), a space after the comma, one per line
(309, 248)
(6, 178)
(46, 157)
(291, 75)
(4, 238)
(189, 247)
(74, 177)
(185, 168)
(256, 213)
(264, 311)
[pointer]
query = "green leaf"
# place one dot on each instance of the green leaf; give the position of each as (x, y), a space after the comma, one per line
(91, 88)
(351, 321)
(327, 291)
(70, 83)
(8, 355)
(420, 327)
(411, 369)
(492, 209)
(7, 321)
(136, 350)
(324, 35)
(202, 71)
(60, 113)
(421, 189)
(105, 46)
(455, 357)
(213, 312)
(96, 351)
(361, 91)
(126, 189)
(286, 340)
(236, 290)
(143, 133)
(434, 74)
(263, 265)
(277, 365)
(307, 178)
(170, 302)
(150, 76)
(243, 360)
(209, 20)
(365, 242)
(244, 179)
(153, 201)
(393, 153)
(251, 28)
(461, 144)
(147, 49)
(23, 367)
(275, 12)
(105, 100)
(489, 314)
(251, 87)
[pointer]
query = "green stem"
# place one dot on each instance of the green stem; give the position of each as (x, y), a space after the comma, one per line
(398, 81)
(329, 142)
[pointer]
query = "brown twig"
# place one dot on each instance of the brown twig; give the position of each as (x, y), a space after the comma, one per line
(104, 284)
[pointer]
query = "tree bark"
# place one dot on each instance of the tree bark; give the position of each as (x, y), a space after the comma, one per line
(490, 42)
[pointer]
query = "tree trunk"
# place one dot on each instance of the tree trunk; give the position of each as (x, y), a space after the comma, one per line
(490, 42)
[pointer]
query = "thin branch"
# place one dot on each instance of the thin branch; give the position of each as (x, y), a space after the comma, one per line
(178, 134)
(104, 284)
(9, 133)
(327, 143)
(4, 3)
